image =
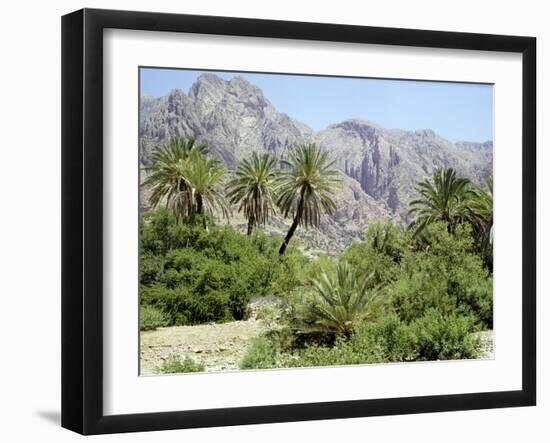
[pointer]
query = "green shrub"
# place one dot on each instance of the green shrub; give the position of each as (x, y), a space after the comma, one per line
(196, 275)
(388, 339)
(261, 354)
(439, 337)
(182, 307)
(239, 296)
(151, 268)
(288, 271)
(380, 253)
(472, 285)
(385, 340)
(151, 318)
(173, 365)
(387, 239)
(443, 274)
(426, 287)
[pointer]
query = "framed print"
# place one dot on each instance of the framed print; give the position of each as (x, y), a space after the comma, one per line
(269, 221)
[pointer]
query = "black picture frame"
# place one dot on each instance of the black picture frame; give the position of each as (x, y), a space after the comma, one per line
(82, 218)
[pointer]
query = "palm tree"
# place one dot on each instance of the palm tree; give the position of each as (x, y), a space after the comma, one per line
(204, 177)
(253, 189)
(481, 218)
(186, 180)
(340, 300)
(308, 185)
(167, 177)
(445, 198)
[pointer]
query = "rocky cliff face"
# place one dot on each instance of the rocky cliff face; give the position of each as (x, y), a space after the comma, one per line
(381, 166)
(389, 163)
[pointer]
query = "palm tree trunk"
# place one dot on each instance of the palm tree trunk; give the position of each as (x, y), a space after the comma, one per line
(199, 204)
(289, 235)
(200, 210)
(250, 226)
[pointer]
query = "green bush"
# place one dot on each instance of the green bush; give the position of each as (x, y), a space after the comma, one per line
(196, 275)
(151, 268)
(443, 273)
(151, 318)
(472, 285)
(379, 254)
(289, 271)
(261, 354)
(439, 337)
(385, 340)
(182, 307)
(426, 287)
(388, 339)
(173, 365)
(387, 239)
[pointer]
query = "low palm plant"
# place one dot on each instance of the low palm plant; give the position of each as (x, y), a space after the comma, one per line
(253, 189)
(340, 300)
(308, 186)
(444, 198)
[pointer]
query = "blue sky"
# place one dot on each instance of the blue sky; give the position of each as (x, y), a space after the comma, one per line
(456, 111)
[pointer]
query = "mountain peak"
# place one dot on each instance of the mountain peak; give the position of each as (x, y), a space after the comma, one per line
(429, 133)
(239, 80)
(355, 124)
(207, 84)
(241, 87)
(176, 92)
(208, 78)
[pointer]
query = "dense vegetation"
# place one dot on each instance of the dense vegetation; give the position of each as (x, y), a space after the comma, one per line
(421, 300)
(401, 294)
(193, 275)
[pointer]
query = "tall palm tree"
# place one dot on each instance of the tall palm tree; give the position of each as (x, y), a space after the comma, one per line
(481, 218)
(308, 186)
(253, 189)
(204, 177)
(167, 177)
(444, 198)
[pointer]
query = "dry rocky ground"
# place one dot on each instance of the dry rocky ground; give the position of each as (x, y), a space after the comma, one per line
(217, 346)
(487, 344)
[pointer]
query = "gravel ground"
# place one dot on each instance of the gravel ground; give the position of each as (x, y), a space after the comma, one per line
(218, 346)
(487, 344)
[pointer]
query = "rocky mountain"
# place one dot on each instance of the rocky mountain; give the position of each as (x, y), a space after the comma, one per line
(232, 117)
(388, 163)
(381, 166)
